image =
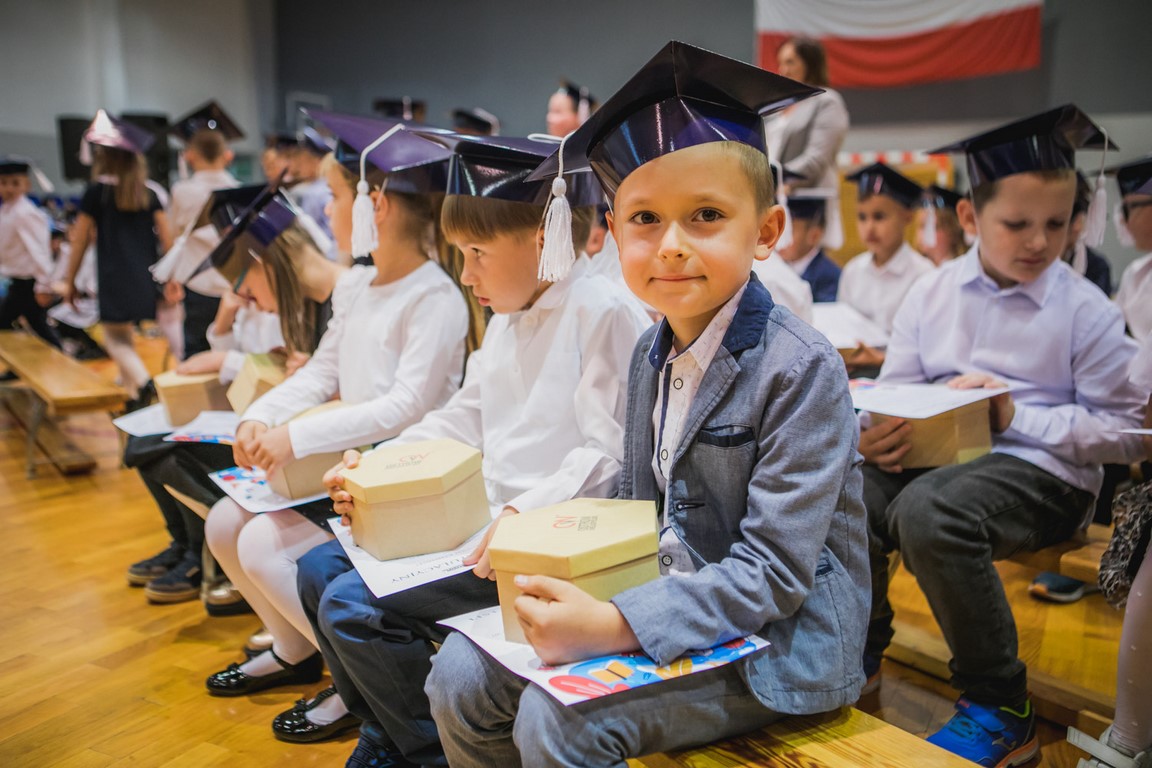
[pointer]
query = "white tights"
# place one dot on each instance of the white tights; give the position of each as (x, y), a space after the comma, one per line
(121, 348)
(259, 554)
(1132, 730)
(170, 319)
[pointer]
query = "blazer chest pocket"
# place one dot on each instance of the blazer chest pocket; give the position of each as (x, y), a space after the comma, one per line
(726, 436)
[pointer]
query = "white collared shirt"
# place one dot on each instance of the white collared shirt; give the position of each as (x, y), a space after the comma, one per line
(788, 289)
(392, 353)
(252, 332)
(1140, 372)
(1058, 341)
(876, 292)
(544, 397)
(189, 196)
(25, 243)
(1135, 297)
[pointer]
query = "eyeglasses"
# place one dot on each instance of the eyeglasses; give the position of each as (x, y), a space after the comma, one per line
(1127, 208)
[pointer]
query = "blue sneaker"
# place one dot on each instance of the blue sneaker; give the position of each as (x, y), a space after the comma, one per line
(995, 737)
(369, 754)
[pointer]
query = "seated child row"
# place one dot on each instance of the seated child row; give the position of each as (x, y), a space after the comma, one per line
(731, 415)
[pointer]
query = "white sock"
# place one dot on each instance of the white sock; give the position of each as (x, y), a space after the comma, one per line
(259, 666)
(328, 711)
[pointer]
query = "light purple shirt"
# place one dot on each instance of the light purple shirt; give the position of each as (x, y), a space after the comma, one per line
(1058, 341)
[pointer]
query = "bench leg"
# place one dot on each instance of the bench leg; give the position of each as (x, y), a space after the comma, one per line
(38, 408)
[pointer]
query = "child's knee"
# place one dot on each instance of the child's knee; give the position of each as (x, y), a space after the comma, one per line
(223, 524)
(317, 569)
(457, 670)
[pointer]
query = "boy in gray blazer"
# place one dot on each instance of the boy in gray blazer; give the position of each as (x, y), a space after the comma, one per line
(739, 426)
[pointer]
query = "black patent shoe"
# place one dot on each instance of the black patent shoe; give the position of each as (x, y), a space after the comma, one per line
(233, 681)
(293, 724)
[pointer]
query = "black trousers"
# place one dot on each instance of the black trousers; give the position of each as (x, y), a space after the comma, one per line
(21, 302)
(199, 312)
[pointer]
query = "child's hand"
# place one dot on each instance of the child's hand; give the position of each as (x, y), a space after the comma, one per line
(1001, 408)
(479, 556)
(864, 356)
(273, 449)
(563, 623)
(334, 484)
(173, 292)
(885, 443)
(245, 443)
(202, 362)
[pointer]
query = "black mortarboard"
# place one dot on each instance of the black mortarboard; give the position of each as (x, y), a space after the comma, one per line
(403, 108)
(210, 116)
(940, 197)
(1047, 141)
(107, 131)
(880, 179)
(10, 164)
(311, 140)
(225, 206)
(499, 167)
(682, 97)
(810, 203)
(476, 120)
(252, 231)
(1133, 177)
(413, 163)
(281, 141)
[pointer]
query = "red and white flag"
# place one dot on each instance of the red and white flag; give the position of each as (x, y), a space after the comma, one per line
(887, 43)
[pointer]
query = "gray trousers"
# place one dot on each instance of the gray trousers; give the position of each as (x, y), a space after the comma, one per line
(949, 525)
(490, 718)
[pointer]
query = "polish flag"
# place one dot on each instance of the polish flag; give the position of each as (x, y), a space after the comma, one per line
(891, 43)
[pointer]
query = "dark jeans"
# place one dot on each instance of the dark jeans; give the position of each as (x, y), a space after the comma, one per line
(379, 650)
(199, 312)
(185, 467)
(950, 524)
(21, 302)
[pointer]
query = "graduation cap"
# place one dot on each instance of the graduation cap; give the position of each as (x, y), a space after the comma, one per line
(582, 100)
(225, 206)
(108, 131)
(311, 140)
(881, 179)
(252, 231)
(403, 108)
(210, 116)
(11, 165)
(1047, 141)
(1133, 177)
(281, 141)
(942, 198)
(684, 96)
(475, 121)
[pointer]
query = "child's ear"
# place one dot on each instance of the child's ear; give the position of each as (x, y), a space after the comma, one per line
(771, 227)
(381, 205)
(966, 213)
(610, 220)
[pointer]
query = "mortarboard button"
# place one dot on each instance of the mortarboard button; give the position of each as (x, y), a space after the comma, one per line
(210, 116)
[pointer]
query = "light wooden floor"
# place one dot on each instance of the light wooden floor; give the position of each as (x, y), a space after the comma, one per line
(92, 675)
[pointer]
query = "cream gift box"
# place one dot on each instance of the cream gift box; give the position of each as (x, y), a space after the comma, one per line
(258, 374)
(305, 477)
(184, 397)
(953, 437)
(417, 498)
(603, 546)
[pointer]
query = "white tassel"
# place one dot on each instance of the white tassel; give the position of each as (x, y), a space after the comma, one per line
(1097, 216)
(928, 228)
(41, 179)
(584, 108)
(182, 166)
(85, 153)
(364, 235)
(833, 224)
(558, 254)
(1122, 232)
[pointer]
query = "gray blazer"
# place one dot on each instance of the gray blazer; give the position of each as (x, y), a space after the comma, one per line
(765, 489)
(808, 140)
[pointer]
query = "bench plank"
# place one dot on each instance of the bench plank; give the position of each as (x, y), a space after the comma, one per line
(69, 458)
(1083, 562)
(847, 737)
(64, 385)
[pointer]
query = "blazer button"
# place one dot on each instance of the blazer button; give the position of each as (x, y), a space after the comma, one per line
(678, 383)
(664, 454)
(666, 560)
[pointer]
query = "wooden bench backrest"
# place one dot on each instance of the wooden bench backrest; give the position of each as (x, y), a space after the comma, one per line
(61, 382)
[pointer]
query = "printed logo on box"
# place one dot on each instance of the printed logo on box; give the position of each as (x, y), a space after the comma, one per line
(411, 460)
(579, 522)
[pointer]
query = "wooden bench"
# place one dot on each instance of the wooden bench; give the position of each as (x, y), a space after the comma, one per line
(1078, 557)
(56, 386)
(846, 737)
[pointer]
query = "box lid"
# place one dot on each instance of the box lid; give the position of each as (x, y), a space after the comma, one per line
(575, 538)
(169, 379)
(411, 470)
(264, 365)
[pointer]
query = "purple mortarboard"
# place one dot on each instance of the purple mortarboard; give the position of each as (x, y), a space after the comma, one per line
(107, 131)
(210, 116)
(477, 121)
(252, 231)
(225, 206)
(1133, 177)
(1043, 142)
(881, 179)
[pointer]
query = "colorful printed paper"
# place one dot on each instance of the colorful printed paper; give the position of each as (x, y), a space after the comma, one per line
(249, 488)
(387, 577)
(217, 427)
(573, 683)
(914, 401)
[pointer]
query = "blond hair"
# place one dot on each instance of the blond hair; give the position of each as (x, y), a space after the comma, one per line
(131, 172)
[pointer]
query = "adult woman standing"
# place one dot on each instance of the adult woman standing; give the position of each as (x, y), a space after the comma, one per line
(125, 218)
(805, 138)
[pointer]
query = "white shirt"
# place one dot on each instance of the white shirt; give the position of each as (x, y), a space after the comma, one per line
(392, 353)
(679, 381)
(1135, 297)
(1140, 372)
(189, 195)
(787, 288)
(1058, 341)
(545, 395)
(252, 332)
(876, 292)
(192, 246)
(25, 242)
(86, 311)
